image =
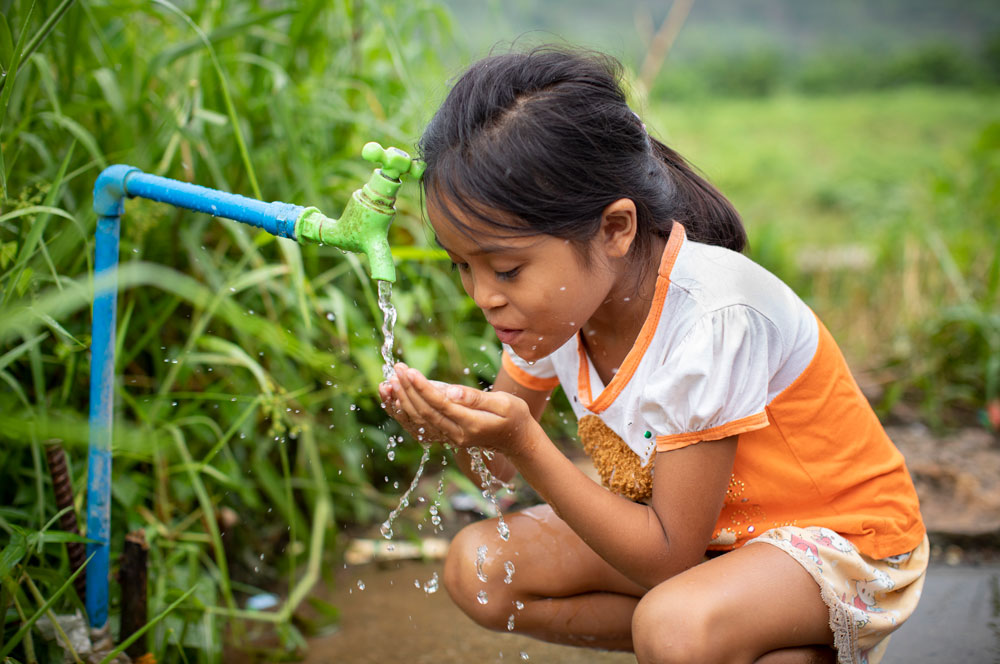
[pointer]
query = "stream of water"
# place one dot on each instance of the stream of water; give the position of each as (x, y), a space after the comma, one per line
(487, 479)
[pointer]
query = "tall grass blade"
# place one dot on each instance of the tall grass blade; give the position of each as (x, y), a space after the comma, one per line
(6, 90)
(9, 646)
(121, 647)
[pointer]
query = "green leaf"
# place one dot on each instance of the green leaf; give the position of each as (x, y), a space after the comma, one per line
(6, 43)
(8, 250)
(61, 536)
(13, 552)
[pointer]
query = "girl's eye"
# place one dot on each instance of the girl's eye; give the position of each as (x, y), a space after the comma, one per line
(508, 275)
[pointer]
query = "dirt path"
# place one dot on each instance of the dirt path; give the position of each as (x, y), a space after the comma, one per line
(392, 619)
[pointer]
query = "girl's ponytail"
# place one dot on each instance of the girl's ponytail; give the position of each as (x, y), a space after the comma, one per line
(706, 214)
(542, 142)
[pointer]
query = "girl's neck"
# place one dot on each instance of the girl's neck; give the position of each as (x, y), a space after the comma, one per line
(612, 331)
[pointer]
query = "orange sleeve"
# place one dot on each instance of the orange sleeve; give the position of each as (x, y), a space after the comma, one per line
(678, 440)
(525, 379)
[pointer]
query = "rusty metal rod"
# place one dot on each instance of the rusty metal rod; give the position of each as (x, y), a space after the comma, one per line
(62, 485)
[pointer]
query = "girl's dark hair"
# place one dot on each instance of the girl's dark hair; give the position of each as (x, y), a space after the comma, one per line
(547, 140)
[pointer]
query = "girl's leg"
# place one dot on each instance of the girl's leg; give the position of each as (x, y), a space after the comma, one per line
(569, 594)
(752, 603)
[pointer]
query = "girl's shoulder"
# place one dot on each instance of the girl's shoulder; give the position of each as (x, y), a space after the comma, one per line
(706, 278)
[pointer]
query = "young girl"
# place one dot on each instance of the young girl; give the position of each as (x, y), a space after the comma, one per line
(753, 508)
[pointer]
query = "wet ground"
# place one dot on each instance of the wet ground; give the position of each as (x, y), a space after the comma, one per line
(393, 619)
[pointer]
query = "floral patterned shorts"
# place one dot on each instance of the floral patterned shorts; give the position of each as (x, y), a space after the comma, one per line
(868, 598)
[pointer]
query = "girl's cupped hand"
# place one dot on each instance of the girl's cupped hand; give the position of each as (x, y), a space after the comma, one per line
(432, 411)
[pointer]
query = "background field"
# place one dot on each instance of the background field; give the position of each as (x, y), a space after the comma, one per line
(867, 170)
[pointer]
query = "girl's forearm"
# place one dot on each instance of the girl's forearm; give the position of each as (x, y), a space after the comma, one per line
(628, 535)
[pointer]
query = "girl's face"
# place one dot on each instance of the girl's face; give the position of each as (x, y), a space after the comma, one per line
(536, 291)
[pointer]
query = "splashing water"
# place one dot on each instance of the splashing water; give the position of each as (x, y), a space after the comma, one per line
(480, 559)
(486, 479)
(388, 323)
(404, 501)
(510, 623)
(508, 567)
(431, 586)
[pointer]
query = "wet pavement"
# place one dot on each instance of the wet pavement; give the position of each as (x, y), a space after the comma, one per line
(957, 620)
(392, 620)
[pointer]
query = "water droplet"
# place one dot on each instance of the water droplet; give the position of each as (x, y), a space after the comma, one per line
(431, 586)
(480, 559)
(508, 567)
(510, 623)
(361, 584)
(330, 316)
(482, 597)
(518, 604)
(503, 529)
(524, 656)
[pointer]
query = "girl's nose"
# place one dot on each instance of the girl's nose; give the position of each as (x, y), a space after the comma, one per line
(486, 295)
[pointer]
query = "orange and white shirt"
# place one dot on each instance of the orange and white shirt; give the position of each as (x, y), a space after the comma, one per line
(728, 349)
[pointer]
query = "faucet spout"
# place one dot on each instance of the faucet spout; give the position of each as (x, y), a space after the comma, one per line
(364, 225)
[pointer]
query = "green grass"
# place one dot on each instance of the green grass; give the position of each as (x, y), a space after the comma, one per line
(882, 210)
(247, 432)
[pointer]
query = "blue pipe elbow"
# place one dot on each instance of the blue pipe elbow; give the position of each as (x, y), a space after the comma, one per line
(109, 190)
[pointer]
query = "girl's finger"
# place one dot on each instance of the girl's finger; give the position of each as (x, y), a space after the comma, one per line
(428, 401)
(465, 406)
(402, 398)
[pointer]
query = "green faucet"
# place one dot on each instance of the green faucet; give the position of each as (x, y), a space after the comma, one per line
(364, 225)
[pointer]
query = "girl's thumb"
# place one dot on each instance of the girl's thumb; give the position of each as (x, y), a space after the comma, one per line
(454, 392)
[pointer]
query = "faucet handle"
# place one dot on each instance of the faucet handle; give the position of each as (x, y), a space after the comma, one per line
(394, 161)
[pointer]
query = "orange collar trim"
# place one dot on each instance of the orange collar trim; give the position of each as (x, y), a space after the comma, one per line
(635, 355)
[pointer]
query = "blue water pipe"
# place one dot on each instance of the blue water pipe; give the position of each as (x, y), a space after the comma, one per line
(363, 227)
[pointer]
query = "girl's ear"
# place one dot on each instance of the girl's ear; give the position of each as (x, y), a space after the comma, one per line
(618, 227)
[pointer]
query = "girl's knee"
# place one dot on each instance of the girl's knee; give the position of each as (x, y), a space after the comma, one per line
(669, 626)
(457, 564)
(461, 578)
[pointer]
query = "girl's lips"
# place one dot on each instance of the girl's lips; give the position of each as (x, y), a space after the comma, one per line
(507, 336)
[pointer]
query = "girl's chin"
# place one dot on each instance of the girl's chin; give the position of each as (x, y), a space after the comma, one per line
(532, 351)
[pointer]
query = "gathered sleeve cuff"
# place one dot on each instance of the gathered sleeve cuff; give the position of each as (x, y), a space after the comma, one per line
(713, 384)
